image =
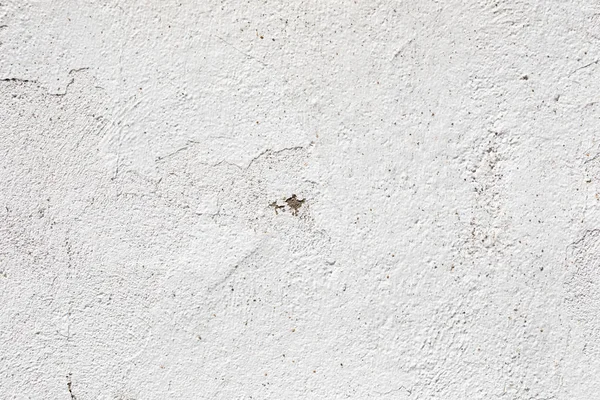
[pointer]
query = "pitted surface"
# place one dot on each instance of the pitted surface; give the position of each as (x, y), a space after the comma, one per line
(302, 200)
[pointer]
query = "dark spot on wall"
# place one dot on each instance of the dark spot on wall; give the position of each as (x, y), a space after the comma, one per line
(276, 207)
(294, 204)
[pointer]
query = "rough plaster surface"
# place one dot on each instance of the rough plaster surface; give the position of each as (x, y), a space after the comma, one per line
(448, 156)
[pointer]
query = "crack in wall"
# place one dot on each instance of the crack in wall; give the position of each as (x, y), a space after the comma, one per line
(69, 386)
(37, 82)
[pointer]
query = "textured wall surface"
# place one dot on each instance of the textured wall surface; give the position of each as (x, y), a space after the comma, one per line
(299, 199)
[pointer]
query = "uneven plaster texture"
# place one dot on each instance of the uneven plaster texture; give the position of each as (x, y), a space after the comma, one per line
(448, 156)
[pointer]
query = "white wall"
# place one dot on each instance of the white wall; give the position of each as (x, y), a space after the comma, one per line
(447, 152)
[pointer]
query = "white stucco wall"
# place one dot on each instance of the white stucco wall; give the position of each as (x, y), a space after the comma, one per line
(448, 156)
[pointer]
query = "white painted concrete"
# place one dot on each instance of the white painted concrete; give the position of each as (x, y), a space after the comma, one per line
(447, 153)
